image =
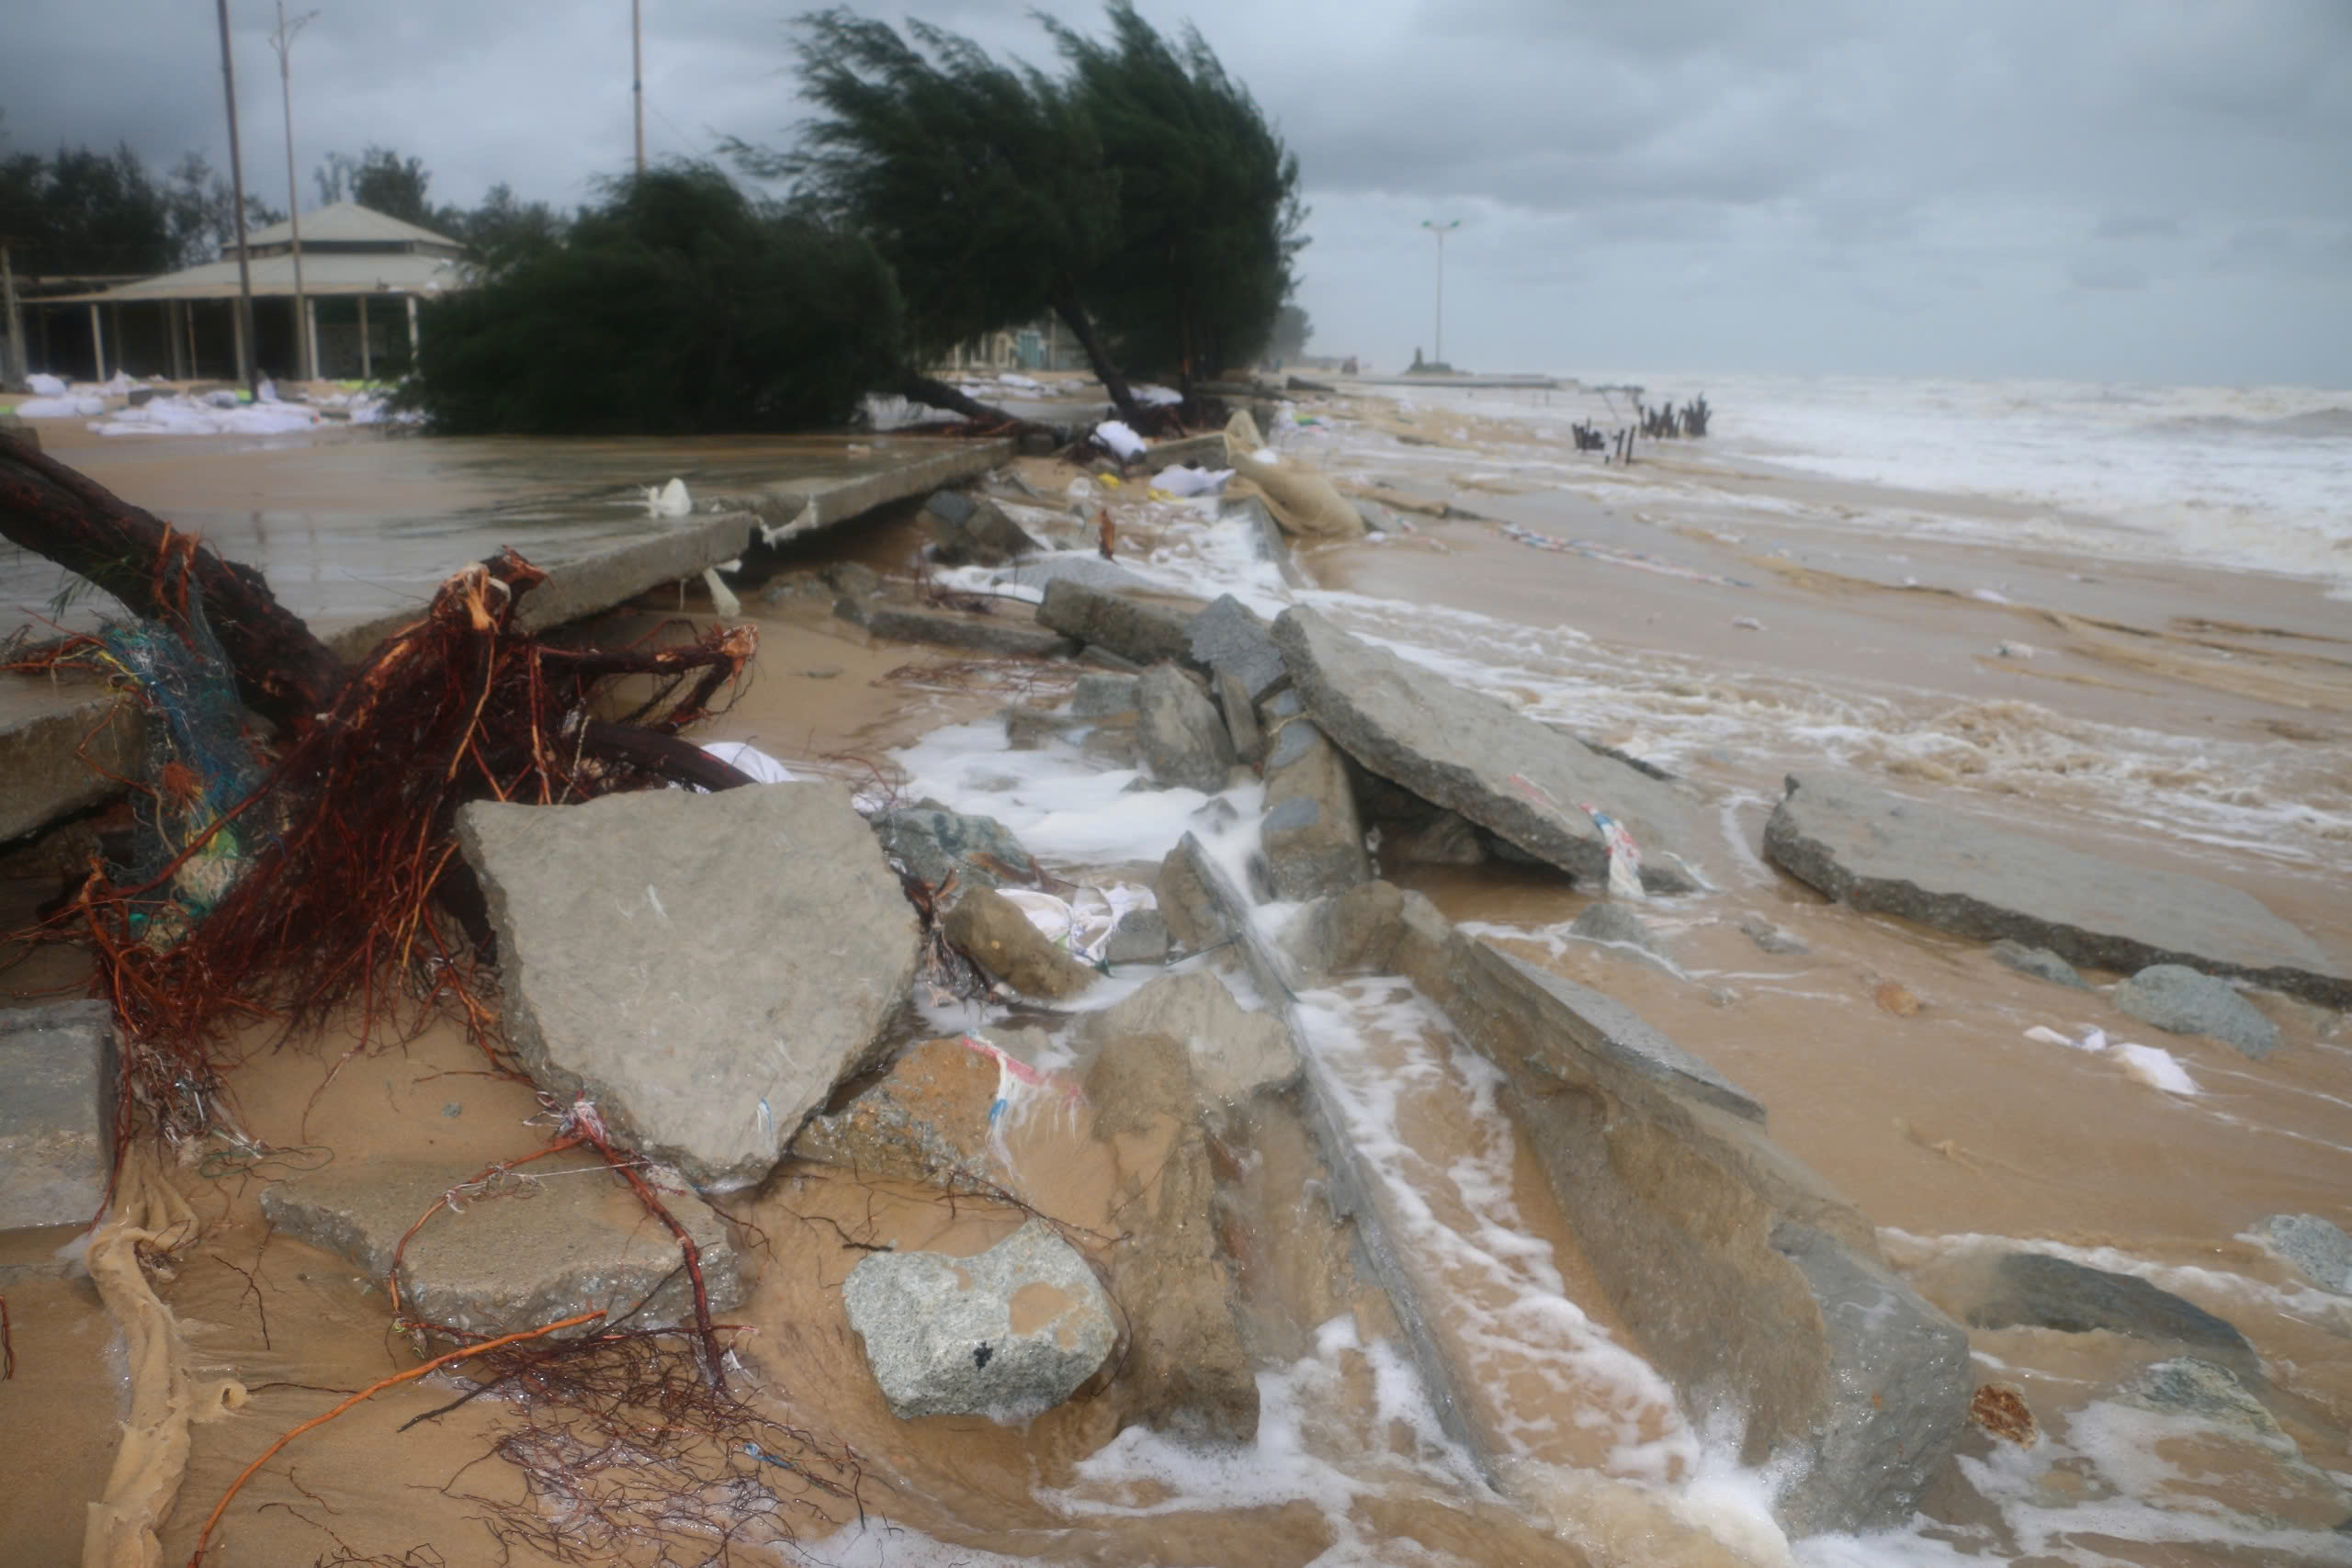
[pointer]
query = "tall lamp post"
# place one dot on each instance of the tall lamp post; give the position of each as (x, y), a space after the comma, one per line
(248, 360)
(1437, 341)
(305, 340)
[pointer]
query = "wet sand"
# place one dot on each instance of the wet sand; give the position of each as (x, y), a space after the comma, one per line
(2219, 741)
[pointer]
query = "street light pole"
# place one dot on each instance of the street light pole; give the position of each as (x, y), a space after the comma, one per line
(248, 358)
(1437, 341)
(305, 354)
(637, 76)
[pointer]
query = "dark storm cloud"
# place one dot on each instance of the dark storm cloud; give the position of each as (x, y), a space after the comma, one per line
(1749, 185)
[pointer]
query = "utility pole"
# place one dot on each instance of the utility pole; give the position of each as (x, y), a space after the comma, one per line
(12, 362)
(1437, 340)
(306, 348)
(248, 367)
(636, 75)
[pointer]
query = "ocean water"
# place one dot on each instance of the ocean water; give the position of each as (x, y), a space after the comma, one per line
(2251, 477)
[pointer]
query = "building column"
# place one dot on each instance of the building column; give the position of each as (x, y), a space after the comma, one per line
(311, 338)
(172, 310)
(366, 357)
(97, 339)
(412, 335)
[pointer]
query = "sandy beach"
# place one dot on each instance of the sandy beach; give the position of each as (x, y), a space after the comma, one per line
(1728, 617)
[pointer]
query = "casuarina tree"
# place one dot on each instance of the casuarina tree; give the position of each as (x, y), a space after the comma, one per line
(1209, 208)
(681, 305)
(983, 183)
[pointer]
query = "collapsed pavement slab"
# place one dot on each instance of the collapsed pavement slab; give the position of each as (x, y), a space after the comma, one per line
(1313, 838)
(1885, 854)
(1184, 741)
(1229, 638)
(524, 1248)
(1145, 634)
(1234, 1051)
(64, 744)
(1007, 1333)
(1472, 755)
(703, 968)
(58, 1066)
(974, 634)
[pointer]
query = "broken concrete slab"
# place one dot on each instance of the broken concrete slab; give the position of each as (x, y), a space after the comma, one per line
(1139, 937)
(1241, 714)
(705, 968)
(991, 928)
(1205, 451)
(64, 744)
(934, 842)
(2177, 999)
(968, 530)
(1086, 568)
(1352, 932)
(1472, 755)
(1313, 838)
(2034, 1290)
(1265, 537)
(1186, 1371)
(1183, 739)
(1230, 638)
(1145, 634)
(898, 468)
(1607, 922)
(996, 635)
(2320, 1250)
(57, 1113)
(1749, 1283)
(1235, 1053)
(1099, 696)
(524, 1248)
(926, 1121)
(1885, 854)
(1007, 1333)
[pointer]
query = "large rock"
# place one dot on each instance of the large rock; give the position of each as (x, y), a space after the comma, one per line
(527, 1247)
(703, 968)
(1241, 725)
(2316, 1247)
(1006, 1333)
(1230, 638)
(1314, 839)
(1607, 922)
(934, 841)
(991, 928)
(1884, 854)
(1128, 628)
(1235, 1051)
(57, 1113)
(1186, 1370)
(1184, 742)
(1469, 753)
(2033, 1290)
(2175, 998)
(926, 1121)
(2037, 962)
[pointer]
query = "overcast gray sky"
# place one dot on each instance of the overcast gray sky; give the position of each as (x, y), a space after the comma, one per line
(2097, 189)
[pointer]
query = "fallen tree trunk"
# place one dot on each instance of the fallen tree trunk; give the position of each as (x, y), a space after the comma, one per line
(283, 672)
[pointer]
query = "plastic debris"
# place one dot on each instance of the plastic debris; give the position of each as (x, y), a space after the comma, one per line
(1186, 480)
(749, 759)
(42, 385)
(1018, 1087)
(2152, 1065)
(1081, 924)
(1115, 436)
(669, 501)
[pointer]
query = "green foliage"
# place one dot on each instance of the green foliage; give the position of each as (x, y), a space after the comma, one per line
(980, 182)
(1293, 332)
(1208, 209)
(81, 212)
(678, 307)
(381, 180)
(503, 229)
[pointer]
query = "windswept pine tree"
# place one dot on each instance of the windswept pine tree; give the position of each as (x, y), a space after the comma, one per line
(983, 183)
(681, 305)
(1208, 206)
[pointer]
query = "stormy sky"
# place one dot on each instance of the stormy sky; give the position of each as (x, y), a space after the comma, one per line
(2093, 189)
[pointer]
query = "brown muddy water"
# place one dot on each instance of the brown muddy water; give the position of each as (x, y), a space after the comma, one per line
(2186, 718)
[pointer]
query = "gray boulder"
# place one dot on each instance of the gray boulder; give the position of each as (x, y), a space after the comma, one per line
(1235, 1051)
(934, 842)
(1012, 1332)
(1314, 839)
(1230, 638)
(1352, 932)
(1241, 725)
(1139, 937)
(703, 968)
(527, 1247)
(1143, 633)
(991, 928)
(1103, 696)
(2037, 962)
(1608, 923)
(972, 531)
(1472, 755)
(1884, 854)
(1183, 740)
(2317, 1248)
(2033, 1290)
(1771, 938)
(2175, 998)
(57, 1113)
